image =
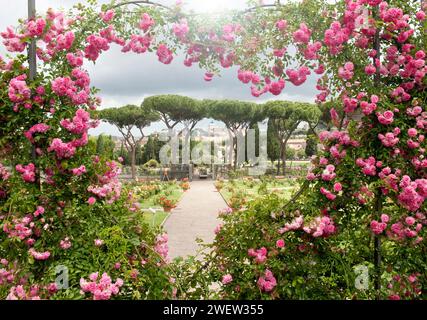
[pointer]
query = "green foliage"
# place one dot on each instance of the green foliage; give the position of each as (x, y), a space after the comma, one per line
(236, 115)
(105, 146)
(128, 116)
(262, 189)
(311, 146)
(273, 145)
(151, 150)
(306, 268)
(284, 119)
(153, 163)
(126, 119)
(174, 109)
(290, 153)
(124, 235)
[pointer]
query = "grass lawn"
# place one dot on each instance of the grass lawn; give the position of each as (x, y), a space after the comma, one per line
(170, 193)
(149, 200)
(295, 163)
(155, 219)
(252, 189)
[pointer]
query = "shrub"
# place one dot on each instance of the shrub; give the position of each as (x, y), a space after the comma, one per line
(152, 164)
(237, 201)
(167, 203)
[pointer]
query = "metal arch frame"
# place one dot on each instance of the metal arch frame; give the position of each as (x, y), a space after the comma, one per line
(32, 57)
(139, 3)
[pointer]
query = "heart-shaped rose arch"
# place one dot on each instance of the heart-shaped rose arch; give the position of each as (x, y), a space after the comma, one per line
(369, 182)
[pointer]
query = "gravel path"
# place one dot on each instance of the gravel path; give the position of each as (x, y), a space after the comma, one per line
(194, 217)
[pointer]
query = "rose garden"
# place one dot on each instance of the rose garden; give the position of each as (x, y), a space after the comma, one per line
(349, 224)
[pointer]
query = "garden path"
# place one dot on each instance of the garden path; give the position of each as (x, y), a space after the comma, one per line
(196, 216)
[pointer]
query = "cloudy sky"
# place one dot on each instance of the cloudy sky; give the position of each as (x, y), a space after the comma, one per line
(128, 78)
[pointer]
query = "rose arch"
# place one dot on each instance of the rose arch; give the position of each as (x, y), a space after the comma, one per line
(363, 201)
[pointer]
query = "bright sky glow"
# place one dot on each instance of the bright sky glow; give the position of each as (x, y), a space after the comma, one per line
(215, 6)
(212, 6)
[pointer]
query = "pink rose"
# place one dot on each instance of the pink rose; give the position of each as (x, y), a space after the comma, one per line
(226, 279)
(280, 243)
(412, 132)
(337, 187)
(91, 201)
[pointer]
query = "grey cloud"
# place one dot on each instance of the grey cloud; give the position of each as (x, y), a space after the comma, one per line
(128, 78)
(142, 75)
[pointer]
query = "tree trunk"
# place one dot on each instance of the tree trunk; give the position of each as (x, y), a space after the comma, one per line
(283, 148)
(235, 152)
(278, 164)
(186, 148)
(132, 161)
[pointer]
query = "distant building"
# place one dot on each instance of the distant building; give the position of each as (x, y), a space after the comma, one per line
(119, 141)
(297, 144)
(213, 133)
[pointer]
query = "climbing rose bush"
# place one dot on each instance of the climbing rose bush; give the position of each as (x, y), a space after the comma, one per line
(365, 193)
(102, 290)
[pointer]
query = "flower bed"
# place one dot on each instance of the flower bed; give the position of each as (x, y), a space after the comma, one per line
(149, 196)
(240, 191)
